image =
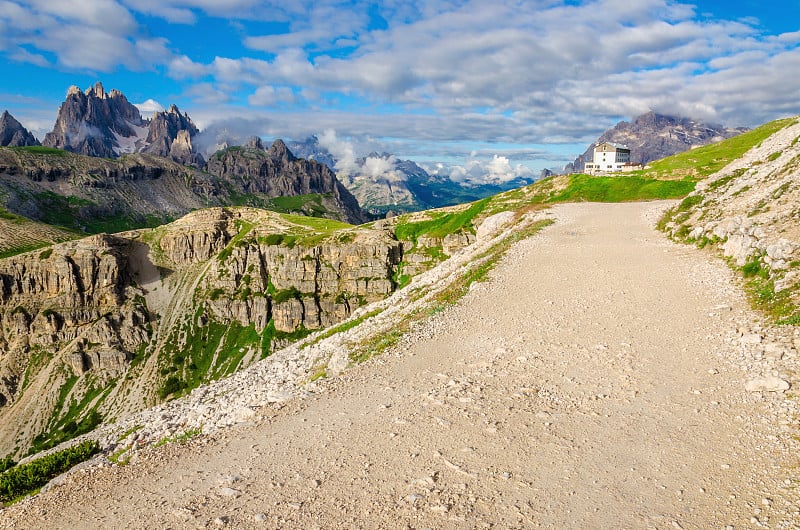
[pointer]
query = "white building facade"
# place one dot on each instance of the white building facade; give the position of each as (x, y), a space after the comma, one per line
(609, 158)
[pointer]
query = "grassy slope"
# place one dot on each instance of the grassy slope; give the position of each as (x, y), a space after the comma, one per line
(704, 161)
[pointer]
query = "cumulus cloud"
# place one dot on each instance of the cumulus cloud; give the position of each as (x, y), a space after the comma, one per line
(497, 170)
(341, 150)
(93, 34)
(268, 96)
(438, 71)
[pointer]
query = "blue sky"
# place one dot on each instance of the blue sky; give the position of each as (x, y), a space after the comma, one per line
(515, 85)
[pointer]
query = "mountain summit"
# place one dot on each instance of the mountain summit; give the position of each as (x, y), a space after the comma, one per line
(105, 124)
(13, 134)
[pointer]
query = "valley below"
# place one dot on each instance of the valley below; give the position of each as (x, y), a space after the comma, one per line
(603, 377)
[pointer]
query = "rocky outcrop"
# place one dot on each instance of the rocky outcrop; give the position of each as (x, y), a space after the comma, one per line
(652, 136)
(75, 300)
(104, 124)
(13, 134)
(276, 172)
(170, 135)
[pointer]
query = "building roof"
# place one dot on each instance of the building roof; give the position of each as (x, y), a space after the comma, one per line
(615, 146)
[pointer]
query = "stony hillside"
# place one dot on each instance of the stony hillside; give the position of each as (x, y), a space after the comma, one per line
(257, 170)
(749, 210)
(19, 234)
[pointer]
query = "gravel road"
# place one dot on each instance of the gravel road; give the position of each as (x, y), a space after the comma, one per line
(595, 382)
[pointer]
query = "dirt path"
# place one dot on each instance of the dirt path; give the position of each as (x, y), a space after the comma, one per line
(591, 384)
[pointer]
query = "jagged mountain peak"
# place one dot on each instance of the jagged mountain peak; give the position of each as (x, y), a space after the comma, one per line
(13, 134)
(255, 142)
(105, 124)
(279, 150)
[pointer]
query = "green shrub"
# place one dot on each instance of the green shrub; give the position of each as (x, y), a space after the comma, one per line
(27, 478)
(6, 463)
(45, 253)
(172, 385)
(279, 297)
(752, 268)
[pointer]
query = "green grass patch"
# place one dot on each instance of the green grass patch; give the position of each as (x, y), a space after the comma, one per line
(6, 463)
(40, 150)
(621, 189)
(345, 326)
(244, 228)
(28, 478)
(441, 223)
(181, 438)
(208, 352)
(308, 204)
(778, 306)
(316, 223)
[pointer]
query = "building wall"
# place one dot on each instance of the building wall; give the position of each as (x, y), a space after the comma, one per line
(608, 159)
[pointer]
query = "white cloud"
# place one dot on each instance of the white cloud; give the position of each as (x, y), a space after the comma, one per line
(268, 96)
(450, 70)
(150, 106)
(341, 150)
(497, 170)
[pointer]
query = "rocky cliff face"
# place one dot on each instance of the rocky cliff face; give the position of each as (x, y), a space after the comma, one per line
(653, 136)
(276, 172)
(111, 324)
(13, 134)
(108, 325)
(104, 124)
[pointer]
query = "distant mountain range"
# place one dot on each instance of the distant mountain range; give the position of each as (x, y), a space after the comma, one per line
(652, 136)
(403, 186)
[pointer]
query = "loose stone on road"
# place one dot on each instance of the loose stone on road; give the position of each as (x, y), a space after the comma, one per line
(597, 381)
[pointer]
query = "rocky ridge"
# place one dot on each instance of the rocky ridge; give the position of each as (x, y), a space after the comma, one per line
(96, 194)
(652, 136)
(13, 134)
(105, 124)
(275, 172)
